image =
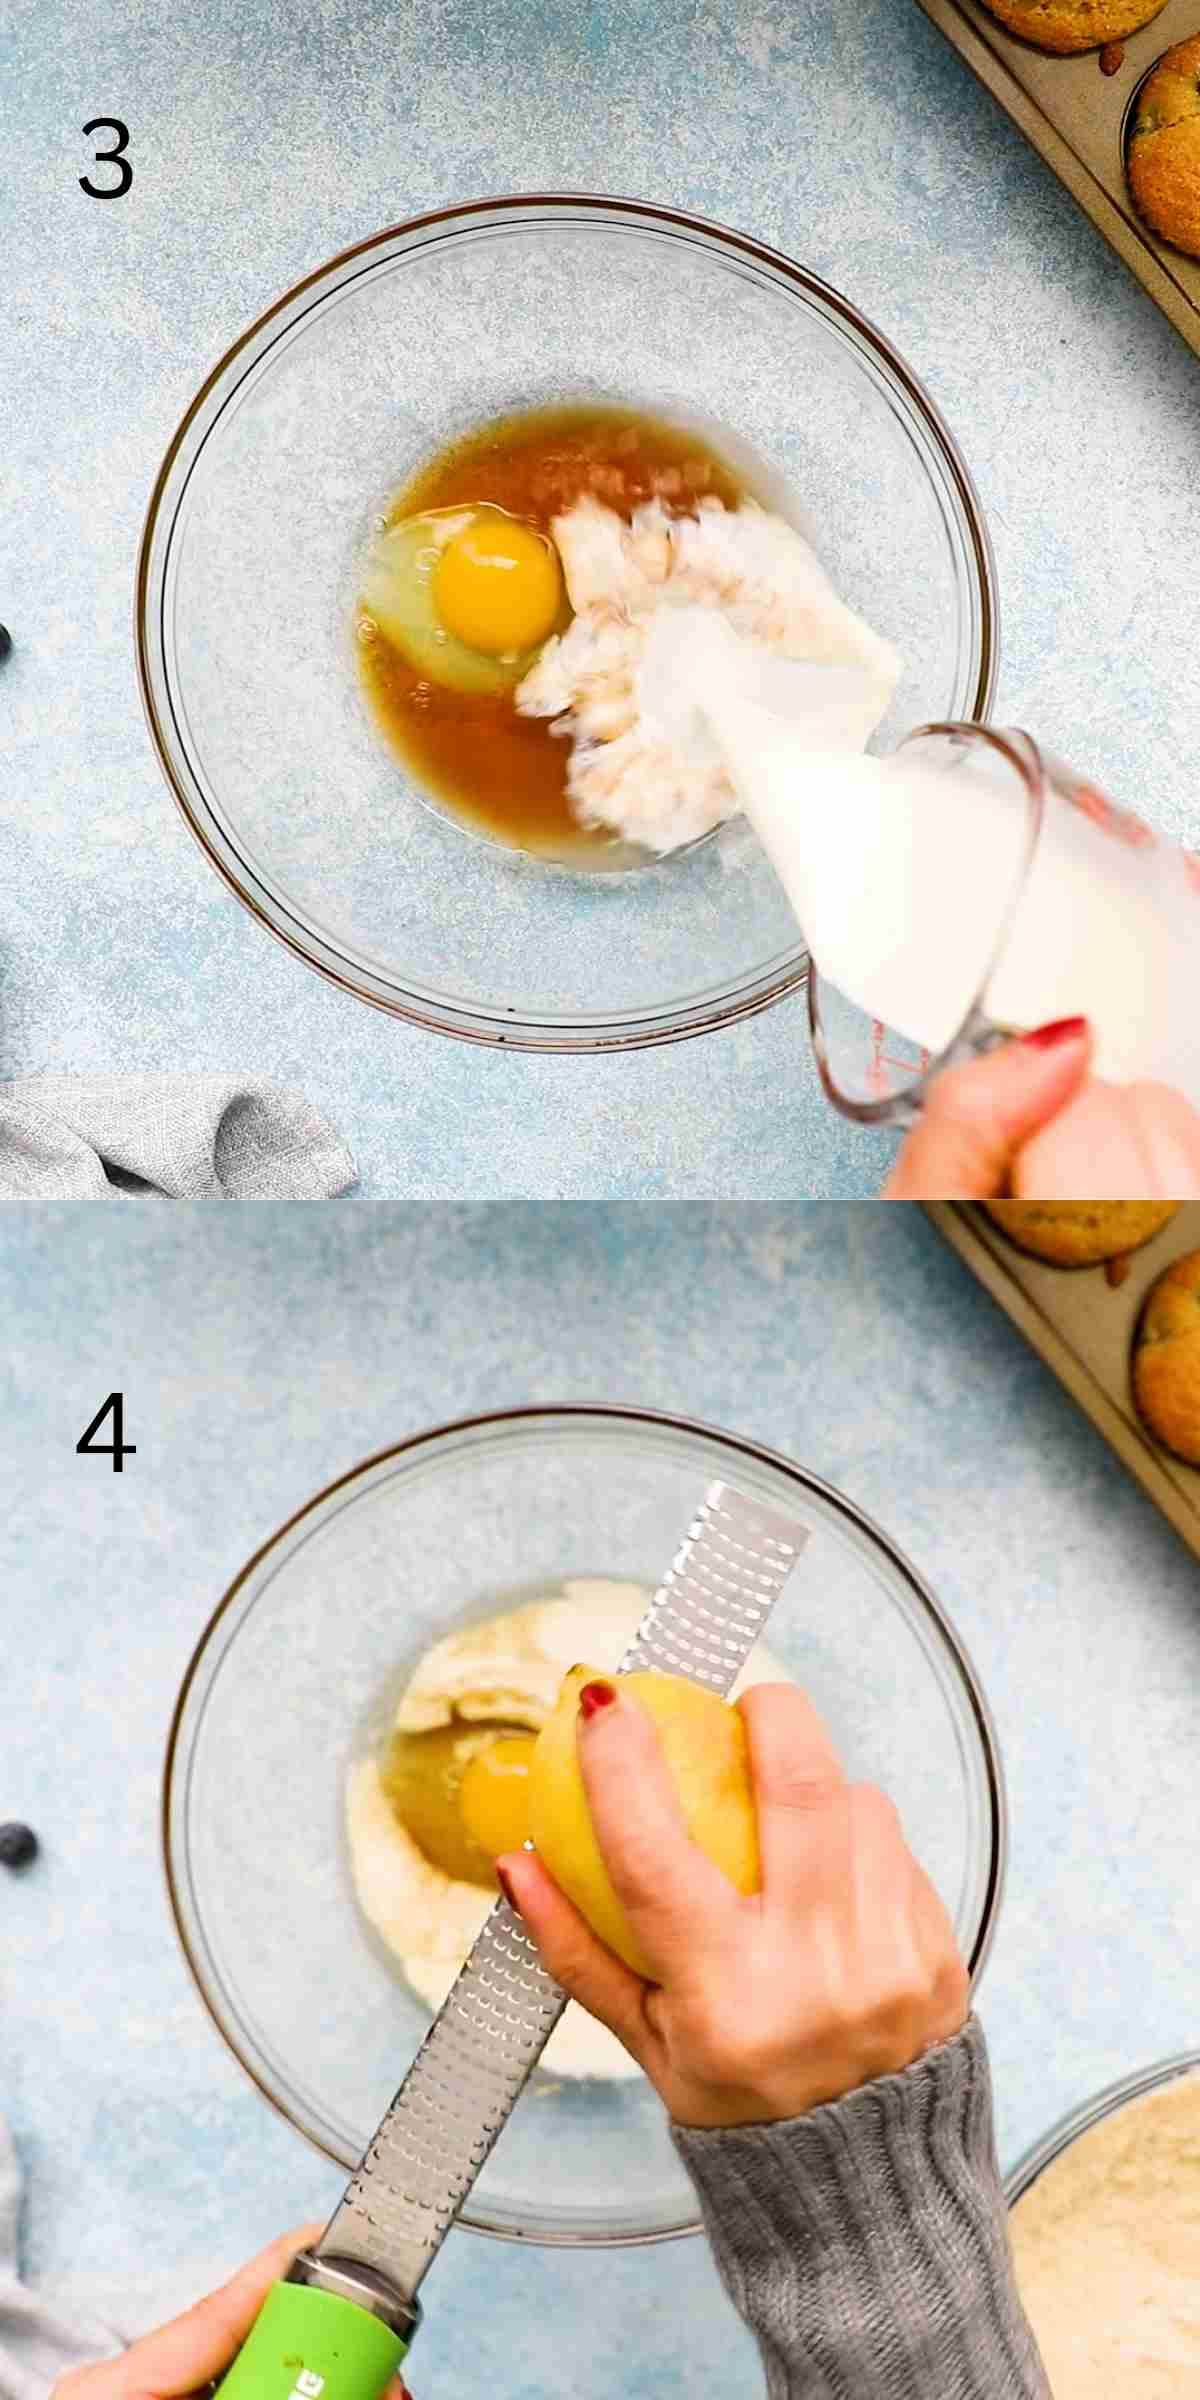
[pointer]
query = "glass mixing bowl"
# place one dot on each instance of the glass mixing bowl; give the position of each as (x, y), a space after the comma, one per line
(1081, 2120)
(292, 1681)
(265, 504)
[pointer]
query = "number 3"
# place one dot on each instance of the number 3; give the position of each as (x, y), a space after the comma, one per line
(115, 157)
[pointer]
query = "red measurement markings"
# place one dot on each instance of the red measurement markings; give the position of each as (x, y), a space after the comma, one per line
(1120, 822)
(881, 1059)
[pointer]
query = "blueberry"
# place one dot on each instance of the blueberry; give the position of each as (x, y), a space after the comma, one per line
(18, 1845)
(5, 641)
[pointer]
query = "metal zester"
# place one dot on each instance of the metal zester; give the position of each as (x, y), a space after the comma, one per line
(346, 2315)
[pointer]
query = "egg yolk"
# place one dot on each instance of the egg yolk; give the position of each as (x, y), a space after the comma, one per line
(493, 1798)
(498, 585)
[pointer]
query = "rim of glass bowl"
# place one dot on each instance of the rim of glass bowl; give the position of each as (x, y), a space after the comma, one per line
(497, 1424)
(1107, 2103)
(437, 1013)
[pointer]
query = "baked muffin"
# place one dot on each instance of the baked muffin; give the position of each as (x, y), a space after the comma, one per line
(1166, 1358)
(1163, 153)
(1079, 1233)
(1068, 25)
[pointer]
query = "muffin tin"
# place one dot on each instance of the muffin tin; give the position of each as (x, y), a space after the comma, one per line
(1077, 117)
(1083, 1326)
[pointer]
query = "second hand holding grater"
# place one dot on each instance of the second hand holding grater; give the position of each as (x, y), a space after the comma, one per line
(339, 2325)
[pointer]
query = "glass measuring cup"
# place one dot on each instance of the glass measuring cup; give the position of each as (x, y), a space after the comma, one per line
(1096, 916)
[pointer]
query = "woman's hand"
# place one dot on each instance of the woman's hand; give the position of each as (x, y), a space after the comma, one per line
(1030, 1123)
(196, 2347)
(843, 1967)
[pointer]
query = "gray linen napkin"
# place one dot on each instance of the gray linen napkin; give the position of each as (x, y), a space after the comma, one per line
(182, 1137)
(45, 2332)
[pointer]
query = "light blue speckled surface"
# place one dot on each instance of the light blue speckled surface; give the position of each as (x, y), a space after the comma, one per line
(264, 141)
(263, 1351)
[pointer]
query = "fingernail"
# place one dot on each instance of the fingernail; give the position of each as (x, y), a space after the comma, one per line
(1048, 1037)
(595, 1696)
(505, 1882)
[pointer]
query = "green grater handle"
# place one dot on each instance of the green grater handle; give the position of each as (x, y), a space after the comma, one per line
(306, 2344)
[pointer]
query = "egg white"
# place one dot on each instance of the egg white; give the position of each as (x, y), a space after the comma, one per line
(397, 596)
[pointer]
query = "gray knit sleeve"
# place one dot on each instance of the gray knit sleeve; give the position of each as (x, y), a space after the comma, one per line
(866, 2244)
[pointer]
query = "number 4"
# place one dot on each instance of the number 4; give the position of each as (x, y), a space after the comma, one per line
(118, 1449)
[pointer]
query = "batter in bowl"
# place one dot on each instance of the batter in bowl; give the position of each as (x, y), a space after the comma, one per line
(1107, 2251)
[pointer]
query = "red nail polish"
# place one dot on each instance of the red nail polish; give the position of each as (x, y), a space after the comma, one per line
(504, 1880)
(595, 1696)
(1048, 1037)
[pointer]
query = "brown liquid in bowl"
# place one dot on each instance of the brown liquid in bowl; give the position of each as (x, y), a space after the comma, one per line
(504, 772)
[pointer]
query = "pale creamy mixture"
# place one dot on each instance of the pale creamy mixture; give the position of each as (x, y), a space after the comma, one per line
(1107, 2250)
(747, 568)
(507, 1670)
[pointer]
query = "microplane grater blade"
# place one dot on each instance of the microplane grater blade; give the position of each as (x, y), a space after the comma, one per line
(486, 2040)
(716, 1596)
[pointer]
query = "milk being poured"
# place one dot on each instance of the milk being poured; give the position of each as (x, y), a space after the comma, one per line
(904, 872)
